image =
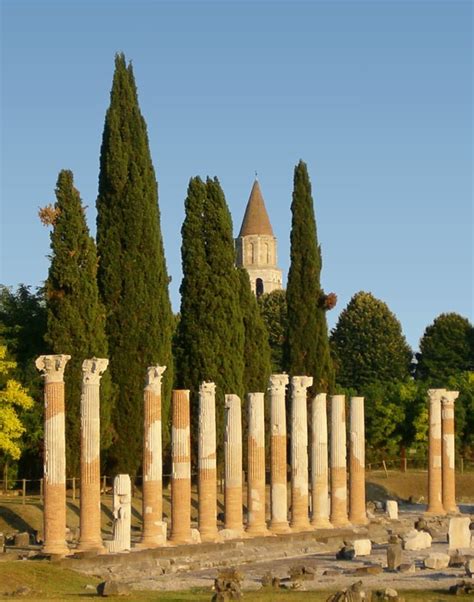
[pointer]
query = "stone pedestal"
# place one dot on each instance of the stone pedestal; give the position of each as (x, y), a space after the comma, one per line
(54, 514)
(180, 469)
(90, 532)
(256, 524)
(122, 508)
(357, 512)
(319, 463)
(435, 499)
(299, 453)
(278, 490)
(233, 465)
(154, 529)
(207, 478)
(448, 448)
(338, 462)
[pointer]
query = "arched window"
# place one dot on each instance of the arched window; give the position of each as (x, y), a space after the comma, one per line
(259, 287)
(251, 253)
(266, 249)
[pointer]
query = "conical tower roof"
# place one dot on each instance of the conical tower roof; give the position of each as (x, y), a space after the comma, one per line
(256, 220)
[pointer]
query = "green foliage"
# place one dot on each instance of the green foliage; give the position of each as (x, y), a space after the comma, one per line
(463, 410)
(133, 279)
(368, 344)
(75, 315)
(210, 335)
(275, 316)
(307, 345)
(446, 349)
(257, 354)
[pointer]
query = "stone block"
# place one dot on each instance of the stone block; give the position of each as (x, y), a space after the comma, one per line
(407, 568)
(21, 540)
(416, 540)
(195, 536)
(394, 556)
(459, 535)
(2, 543)
(392, 509)
(362, 547)
(470, 567)
(113, 588)
(227, 534)
(437, 560)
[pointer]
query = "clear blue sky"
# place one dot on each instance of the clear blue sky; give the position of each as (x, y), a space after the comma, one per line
(375, 96)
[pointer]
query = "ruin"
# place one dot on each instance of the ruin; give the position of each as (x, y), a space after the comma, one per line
(338, 462)
(319, 463)
(207, 478)
(256, 524)
(122, 508)
(435, 499)
(278, 476)
(233, 466)
(357, 514)
(448, 449)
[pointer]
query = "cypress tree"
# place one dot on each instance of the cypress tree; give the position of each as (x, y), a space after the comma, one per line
(307, 345)
(133, 279)
(75, 315)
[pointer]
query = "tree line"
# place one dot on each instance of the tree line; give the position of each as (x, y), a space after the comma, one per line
(109, 298)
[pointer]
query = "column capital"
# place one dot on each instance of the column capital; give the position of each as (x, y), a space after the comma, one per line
(278, 382)
(153, 378)
(207, 388)
(52, 367)
(299, 384)
(449, 397)
(92, 370)
(435, 394)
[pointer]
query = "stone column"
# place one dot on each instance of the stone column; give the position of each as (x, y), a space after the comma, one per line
(299, 453)
(122, 508)
(154, 529)
(180, 468)
(278, 491)
(233, 465)
(319, 463)
(54, 514)
(338, 462)
(207, 478)
(447, 427)
(357, 511)
(435, 499)
(90, 534)
(256, 524)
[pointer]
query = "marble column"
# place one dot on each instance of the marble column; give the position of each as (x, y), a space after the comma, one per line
(278, 490)
(233, 465)
(54, 514)
(338, 462)
(357, 511)
(319, 463)
(122, 509)
(448, 447)
(299, 453)
(154, 529)
(256, 524)
(90, 511)
(180, 468)
(435, 497)
(207, 478)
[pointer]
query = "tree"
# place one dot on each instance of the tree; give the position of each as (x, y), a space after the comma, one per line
(210, 336)
(446, 349)
(307, 345)
(75, 315)
(274, 313)
(369, 345)
(133, 278)
(12, 396)
(257, 354)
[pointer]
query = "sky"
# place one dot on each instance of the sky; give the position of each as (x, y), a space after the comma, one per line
(375, 96)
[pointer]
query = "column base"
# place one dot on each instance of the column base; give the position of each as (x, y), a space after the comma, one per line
(321, 523)
(209, 536)
(58, 549)
(359, 520)
(91, 546)
(280, 527)
(435, 511)
(339, 523)
(258, 531)
(229, 533)
(301, 525)
(150, 542)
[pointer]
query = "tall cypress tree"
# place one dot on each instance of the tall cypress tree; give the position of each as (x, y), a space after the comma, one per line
(133, 278)
(307, 344)
(75, 315)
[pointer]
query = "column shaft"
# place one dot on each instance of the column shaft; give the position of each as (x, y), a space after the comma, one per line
(449, 475)
(54, 514)
(357, 514)
(435, 500)
(207, 478)
(278, 490)
(319, 463)
(181, 469)
(233, 464)
(338, 462)
(256, 524)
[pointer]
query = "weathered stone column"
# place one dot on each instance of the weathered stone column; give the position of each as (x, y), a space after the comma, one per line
(233, 465)
(122, 508)
(181, 468)
(319, 463)
(207, 478)
(338, 462)
(256, 524)
(357, 511)
(90, 512)
(449, 475)
(54, 514)
(278, 491)
(154, 529)
(299, 453)
(435, 498)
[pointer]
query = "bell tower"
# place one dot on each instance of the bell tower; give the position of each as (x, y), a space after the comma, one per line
(256, 246)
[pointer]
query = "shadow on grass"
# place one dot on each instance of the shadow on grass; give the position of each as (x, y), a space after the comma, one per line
(14, 520)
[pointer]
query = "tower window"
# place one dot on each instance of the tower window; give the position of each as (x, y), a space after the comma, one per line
(259, 287)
